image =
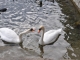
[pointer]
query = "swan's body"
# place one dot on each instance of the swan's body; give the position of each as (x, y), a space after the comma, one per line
(49, 36)
(9, 36)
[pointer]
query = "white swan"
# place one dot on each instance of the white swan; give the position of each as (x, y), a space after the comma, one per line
(8, 36)
(48, 37)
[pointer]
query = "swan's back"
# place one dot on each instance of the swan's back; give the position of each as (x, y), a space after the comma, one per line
(9, 35)
(49, 32)
(51, 36)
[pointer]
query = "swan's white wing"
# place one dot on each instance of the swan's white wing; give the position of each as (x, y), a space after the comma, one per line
(8, 35)
(49, 38)
(49, 32)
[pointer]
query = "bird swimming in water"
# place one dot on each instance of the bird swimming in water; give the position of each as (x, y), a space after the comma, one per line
(48, 37)
(8, 36)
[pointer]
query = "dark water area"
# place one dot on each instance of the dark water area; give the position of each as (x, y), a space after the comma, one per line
(21, 15)
(72, 30)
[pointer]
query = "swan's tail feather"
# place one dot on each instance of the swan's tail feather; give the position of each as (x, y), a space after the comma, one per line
(63, 28)
(60, 30)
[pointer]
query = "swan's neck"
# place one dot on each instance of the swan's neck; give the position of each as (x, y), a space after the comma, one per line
(42, 36)
(20, 35)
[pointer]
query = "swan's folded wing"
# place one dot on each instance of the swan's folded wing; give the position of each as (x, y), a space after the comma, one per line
(8, 35)
(49, 32)
(51, 36)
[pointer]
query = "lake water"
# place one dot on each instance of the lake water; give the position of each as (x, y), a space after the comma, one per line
(21, 15)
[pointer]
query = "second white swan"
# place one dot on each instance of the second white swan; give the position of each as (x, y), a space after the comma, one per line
(48, 37)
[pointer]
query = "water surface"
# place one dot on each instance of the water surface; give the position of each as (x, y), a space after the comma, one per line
(24, 14)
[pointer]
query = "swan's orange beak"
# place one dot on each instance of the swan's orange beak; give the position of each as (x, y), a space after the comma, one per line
(33, 30)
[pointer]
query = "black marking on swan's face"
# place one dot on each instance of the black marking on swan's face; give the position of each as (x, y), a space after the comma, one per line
(40, 29)
(32, 29)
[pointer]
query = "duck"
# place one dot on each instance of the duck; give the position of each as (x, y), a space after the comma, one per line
(8, 36)
(3, 10)
(48, 37)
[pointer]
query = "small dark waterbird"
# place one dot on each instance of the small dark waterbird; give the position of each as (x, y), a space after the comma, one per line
(3, 10)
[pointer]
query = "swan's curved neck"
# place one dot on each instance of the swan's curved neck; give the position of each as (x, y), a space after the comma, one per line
(42, 36)
(20, 35)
